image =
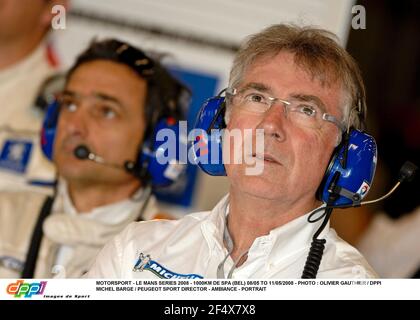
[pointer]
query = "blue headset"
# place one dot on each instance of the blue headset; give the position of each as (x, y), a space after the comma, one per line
(151, 162)
(347, 179)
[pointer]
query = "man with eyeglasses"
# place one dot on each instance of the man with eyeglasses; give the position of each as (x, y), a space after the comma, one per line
(301, 89)
(114, 98)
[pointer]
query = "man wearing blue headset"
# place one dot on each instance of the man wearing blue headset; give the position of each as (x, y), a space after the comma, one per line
(100, 134)
(305, 93)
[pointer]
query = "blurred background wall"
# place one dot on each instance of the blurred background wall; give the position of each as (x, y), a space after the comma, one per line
(388, 52)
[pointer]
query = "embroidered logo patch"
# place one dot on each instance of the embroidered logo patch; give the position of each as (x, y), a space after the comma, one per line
(9, 262)
(364, 188)
(15, 155)
(145, 263)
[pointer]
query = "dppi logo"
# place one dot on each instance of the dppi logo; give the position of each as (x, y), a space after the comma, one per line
(20, 288)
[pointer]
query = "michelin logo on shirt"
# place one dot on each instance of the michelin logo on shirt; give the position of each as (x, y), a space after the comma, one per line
(145, 263)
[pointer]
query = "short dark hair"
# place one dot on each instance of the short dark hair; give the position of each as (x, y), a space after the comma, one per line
(166, 96)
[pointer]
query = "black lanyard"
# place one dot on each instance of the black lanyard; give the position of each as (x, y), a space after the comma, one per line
(416, 275)
(35, 242)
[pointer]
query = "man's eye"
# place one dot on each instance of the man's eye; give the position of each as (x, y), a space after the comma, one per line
(69, 106)
(255, 97)
(108, 113)
(307, 110)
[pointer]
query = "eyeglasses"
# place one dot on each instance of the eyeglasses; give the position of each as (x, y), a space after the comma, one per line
(300, 112)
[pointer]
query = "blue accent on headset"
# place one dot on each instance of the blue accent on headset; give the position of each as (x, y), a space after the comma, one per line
(207, 147)
(152, 156)
(49, 127)
(163, 159)
(352, 172)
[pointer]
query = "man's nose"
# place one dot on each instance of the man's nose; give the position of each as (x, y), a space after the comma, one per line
(273, 122)
(76, 122)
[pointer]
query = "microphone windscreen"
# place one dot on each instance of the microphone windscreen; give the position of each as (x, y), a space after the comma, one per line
(407, 171)
(81, 152)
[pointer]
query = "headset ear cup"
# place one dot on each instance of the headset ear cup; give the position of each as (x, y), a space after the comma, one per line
(161, 162)
(208, 143)
(48, 130)
(354, 161)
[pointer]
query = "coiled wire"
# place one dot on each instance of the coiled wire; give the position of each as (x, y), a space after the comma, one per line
(316, 251)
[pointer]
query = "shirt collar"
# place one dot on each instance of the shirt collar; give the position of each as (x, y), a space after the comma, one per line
(96, 227)
(290, 238)
(281, 242)
(214, 224)
(114, 213)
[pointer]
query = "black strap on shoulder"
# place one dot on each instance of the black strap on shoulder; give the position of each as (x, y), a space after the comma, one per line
(35, 243)
(417, 274)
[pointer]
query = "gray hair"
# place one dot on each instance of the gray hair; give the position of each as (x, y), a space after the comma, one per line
(315, 50)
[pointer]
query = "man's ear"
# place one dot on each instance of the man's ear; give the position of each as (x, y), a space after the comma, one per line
(339, 139)
(47, 15)
(227, 114)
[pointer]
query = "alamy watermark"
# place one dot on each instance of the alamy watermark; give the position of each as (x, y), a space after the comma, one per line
(59, 17)
(358, 21)
(219, 147)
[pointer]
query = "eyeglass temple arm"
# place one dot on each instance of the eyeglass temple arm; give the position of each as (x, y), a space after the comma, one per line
(334, 120)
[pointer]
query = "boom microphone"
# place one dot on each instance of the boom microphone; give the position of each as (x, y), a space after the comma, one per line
(82, 152)
(313, 261)
(407, 173)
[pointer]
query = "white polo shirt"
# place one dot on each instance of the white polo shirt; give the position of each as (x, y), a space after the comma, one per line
(23, 167)
(193, 248)
(392, 246)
